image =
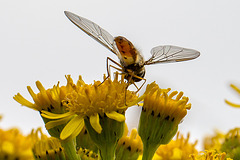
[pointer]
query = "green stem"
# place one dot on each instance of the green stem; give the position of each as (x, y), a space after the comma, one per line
(107, 152)
(70, 149)
(148, 151)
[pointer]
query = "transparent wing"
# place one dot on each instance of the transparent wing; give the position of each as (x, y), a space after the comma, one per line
(93, 30)
(166, 54)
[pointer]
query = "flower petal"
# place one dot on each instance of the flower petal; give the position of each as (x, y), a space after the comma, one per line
(232, 104)
(116, 116)
(20, 99)
(150, 88)
(94, 120)
(50, 115)
(43, 91)
(58, 122)
(77, 130)
(34, 96)
(235, 88)
(76, 123)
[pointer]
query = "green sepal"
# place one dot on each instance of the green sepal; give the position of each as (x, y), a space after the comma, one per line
(232, 147)
(70, 151)
(52, 155)
(123, 153)
(84, 141)
(155, 130)
(54, 132)
(106, 141)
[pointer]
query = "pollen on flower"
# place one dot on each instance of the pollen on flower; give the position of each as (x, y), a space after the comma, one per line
(108, 98)
(92, 102)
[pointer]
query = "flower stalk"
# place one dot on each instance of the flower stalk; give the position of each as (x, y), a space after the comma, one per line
(69, 146)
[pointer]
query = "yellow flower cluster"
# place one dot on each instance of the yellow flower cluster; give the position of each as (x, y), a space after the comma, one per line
(14, 145)
(129, 146)
(100, 109)
(86, 154)
(108, 98)
(228, 143)
(214, 142)
(92, 101)
(46, 147)
(210, 155)
(178, 149)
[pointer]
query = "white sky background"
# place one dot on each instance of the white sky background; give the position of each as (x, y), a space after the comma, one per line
(39, 43)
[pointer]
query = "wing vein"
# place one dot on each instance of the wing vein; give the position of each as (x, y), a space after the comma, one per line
(168, 53)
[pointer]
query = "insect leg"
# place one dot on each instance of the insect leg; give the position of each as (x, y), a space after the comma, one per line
(135, 85)
(138, 89)
(133, 75)
(128, 84)
(108, 68)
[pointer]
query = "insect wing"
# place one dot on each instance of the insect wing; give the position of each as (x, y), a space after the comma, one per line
(168, 53)
(93, 30)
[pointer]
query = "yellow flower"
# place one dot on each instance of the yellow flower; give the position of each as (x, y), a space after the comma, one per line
(96, 100)
(160, 104)
(46, 147)
(129, 147)
(210, 155)
(214, 142)
(14, 145)
(93, 102)
(47, 100)
(86, 154)
(178, 149)
(50, 100)
(230, 103)
(100, 107)
(161, 114)
(231, 145)
(228, 143)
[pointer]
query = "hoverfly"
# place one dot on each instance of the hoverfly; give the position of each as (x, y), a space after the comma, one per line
(131, 61)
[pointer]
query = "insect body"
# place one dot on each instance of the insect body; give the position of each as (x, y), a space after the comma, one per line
(131, 61)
